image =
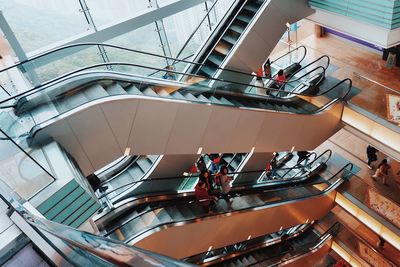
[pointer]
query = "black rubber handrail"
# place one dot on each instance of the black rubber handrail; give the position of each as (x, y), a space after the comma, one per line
(192, 176)
(93, 44)
(120, 171)
(332, 231)
(298, 164)
(277, 189)
(41, 87)
(334, 184)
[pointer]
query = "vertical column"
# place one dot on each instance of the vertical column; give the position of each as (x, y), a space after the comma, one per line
(27, 68)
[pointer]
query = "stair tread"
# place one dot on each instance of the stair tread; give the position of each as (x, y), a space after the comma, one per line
(115, 89)
(133, 90)
(149, 92)
(95, 91)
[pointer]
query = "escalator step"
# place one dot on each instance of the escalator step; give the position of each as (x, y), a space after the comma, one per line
(252, 7)
(214, 100)
(237, 27)
(208, 70)
(226, 101)
(133, 90)
(235, 102)
(149, 92)
(163, 93)
(185, 211)
(190, 97)
(174, 213)
(177, 95)
(133, 227)
(69, 102)
(203, 98)
(115, 89)
(223, 47)
(163, 216)
(152, 158)
(216, 59)
(229, 39)
(245, 261)
(136, 172)
(95, 91)
(144, 164)
(251, 259)
(244, 18)
(150, 219)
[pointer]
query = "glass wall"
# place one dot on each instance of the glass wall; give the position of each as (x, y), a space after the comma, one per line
(38, 23)
(106, 12)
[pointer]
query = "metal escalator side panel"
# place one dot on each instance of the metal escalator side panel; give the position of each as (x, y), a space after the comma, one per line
(242, 223)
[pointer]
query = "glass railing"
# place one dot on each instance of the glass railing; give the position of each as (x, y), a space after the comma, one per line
(45, 68)
(282, 257)
(362, 249)
(380, 201)
(186, 201)
(78, 248)
(233, 251)
(242, 180)
(23, 169)
(128, 231)
(377, 99)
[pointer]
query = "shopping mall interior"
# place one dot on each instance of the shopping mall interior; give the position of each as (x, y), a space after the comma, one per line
(200, 133)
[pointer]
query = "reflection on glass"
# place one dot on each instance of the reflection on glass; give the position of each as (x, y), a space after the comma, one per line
(38, 23)
(110, 12)
(142, 39)
(20, 172)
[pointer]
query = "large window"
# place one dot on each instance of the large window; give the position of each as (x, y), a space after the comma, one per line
(38, 23)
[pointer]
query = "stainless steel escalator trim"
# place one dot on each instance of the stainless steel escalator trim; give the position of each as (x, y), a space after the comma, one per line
(126, 204)
(154, 229)
(143, 178)
(275, 240)
(106, 99)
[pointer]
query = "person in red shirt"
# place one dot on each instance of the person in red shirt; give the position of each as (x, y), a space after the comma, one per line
(202, 197)
(281, 78)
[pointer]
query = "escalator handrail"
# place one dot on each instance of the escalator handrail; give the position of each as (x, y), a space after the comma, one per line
(331, 232)
(318, 157)
(225, 29)
(92, 44)
(301, 228)
(163, 225)
(336, 85)
(120, 171)
(194, 176)
(190, 194)
(322, 192)
(300, 79)
(298, 164)
(286, 54)
(312, 62)
(41, 87)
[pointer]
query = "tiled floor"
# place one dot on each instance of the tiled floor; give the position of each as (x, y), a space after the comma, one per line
(353, 149)
(352, 61)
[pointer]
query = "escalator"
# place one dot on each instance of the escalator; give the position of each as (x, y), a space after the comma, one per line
(296, 246)
(54, 103)
(223, 41)
(134, 171)
(133, 198)
(180, 219)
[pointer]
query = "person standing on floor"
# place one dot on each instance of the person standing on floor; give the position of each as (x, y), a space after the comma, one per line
(371, 155)
(382, 171)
